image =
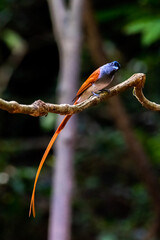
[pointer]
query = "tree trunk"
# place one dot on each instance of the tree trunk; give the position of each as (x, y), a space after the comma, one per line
(67, 27)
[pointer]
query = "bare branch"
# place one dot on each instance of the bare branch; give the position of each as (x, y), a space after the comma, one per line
(137, 92)
(40, 108)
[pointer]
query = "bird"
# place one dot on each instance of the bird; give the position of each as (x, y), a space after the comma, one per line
(98, 81)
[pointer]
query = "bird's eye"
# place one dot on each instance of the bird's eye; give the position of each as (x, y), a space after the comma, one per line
(116, 64)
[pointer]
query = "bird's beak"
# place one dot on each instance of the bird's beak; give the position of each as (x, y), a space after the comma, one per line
(116, 68)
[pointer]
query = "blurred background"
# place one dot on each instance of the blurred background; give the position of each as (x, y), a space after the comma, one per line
(117, 149)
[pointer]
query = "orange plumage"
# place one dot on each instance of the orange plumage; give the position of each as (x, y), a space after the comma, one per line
(98, 80)
(90, 80)
(61, 126)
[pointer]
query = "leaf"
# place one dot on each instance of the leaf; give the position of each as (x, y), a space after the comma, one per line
(12, 39)
(48, 122)
(148, 27)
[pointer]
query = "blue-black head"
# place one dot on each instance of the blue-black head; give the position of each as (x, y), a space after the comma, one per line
(115, 65)
(111, 68)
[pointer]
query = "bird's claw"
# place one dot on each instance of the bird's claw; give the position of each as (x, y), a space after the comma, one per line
(95, 94)
(100, 91)
(105, 90)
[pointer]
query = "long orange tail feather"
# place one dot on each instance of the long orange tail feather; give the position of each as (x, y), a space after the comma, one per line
(61, 126)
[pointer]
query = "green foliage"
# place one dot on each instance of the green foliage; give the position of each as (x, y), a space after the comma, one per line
(12, 39)
(120, 12)
(47, 123)
(135, 20)
(148, 27)
(107, 236)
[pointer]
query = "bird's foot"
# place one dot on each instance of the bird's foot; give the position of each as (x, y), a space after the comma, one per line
(95, 94)
(105, 90)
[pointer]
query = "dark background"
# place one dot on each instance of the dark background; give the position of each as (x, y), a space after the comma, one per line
(110, 201)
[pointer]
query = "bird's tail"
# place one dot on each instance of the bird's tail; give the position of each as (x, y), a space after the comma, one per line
(59, 129)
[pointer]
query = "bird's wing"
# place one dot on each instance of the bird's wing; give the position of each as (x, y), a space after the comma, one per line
(90, 80)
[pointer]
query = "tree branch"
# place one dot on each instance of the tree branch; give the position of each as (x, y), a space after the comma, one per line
(40, 108)
(137, 92)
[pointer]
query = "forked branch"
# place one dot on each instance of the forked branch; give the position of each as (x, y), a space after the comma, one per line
(40, 108)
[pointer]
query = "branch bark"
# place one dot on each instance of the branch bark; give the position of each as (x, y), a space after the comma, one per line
(40, 108)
